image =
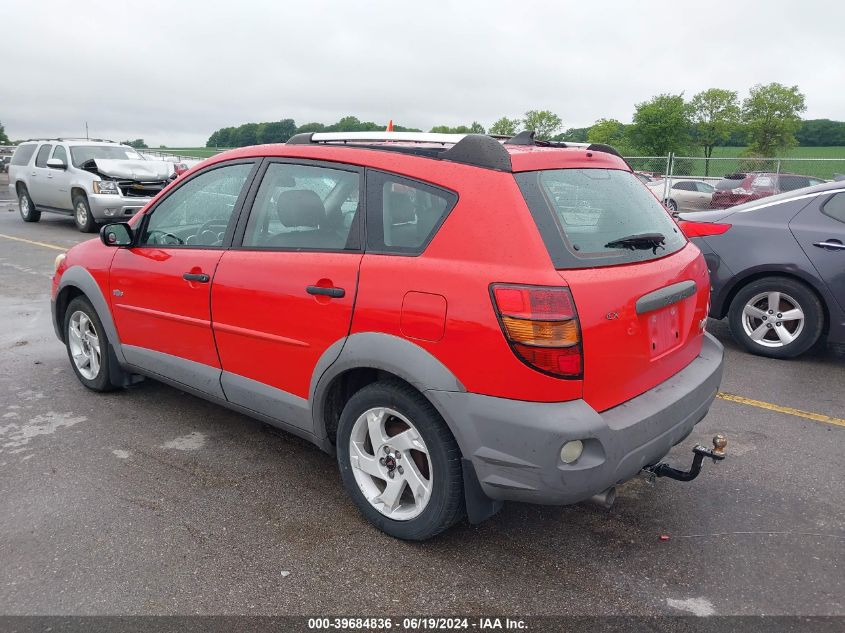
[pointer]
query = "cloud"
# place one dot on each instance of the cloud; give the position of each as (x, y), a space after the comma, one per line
(172, 72)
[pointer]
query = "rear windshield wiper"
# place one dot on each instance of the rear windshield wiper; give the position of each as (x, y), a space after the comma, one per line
(639, 241)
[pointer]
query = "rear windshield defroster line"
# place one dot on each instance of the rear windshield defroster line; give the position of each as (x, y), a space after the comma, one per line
(581, 213)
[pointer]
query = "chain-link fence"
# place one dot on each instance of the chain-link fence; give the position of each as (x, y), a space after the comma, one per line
(687, 183)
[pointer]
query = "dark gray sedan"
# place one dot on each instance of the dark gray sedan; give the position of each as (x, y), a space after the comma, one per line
(777, 268)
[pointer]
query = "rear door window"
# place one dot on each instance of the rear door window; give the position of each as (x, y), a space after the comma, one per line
(305, 207)
(583, 214)
(41, 157)
(23, 154)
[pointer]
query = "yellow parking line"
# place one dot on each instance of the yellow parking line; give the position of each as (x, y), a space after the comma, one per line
(44, 244)
(818, 417)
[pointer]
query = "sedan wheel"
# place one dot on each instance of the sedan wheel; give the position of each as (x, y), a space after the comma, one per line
(391, 464)
(778, 317)
(773, 319)
(84, 345)
(672, 205)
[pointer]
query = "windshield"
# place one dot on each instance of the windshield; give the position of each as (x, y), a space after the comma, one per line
(81, 154)
(605, 217)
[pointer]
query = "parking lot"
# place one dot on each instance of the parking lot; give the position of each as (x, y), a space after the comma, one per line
(151, 501)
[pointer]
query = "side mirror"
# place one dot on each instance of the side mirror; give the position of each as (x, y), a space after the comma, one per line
(117, 234)
(56, 163)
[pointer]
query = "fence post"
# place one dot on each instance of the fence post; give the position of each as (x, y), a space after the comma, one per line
(669, 161)
(777, 173)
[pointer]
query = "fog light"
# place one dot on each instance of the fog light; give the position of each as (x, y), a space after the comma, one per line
(110, 212)
(571, 451)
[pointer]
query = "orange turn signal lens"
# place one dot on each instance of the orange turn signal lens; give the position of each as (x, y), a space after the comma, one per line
(541, 333)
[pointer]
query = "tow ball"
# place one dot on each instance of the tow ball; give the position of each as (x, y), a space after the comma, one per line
(717, 454)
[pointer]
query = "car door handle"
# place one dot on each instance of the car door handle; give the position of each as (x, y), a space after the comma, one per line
(836, 245)
(200, 277)
(337, 293)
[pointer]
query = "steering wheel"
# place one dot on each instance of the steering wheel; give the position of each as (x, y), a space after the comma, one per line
(212, 223)
(166, 238)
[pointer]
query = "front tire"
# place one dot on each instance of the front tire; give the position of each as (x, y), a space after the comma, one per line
(82, 215)
(672, 206)
(87, 345)
(399, 462)
(26, 207)
(776, 317)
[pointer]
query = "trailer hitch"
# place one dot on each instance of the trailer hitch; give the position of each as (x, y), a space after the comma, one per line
(717, 454)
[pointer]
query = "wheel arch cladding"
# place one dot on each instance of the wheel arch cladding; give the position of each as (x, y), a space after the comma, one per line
(78, 281)
(351, 363)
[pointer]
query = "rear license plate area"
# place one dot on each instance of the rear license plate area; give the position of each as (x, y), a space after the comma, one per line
(664, 330)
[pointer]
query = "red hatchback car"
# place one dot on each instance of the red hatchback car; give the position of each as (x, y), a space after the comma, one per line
(462, 320)
(736, 189)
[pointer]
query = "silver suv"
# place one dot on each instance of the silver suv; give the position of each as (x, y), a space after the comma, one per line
(89, 179)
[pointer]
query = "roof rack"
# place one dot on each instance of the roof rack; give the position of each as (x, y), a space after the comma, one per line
(70, 138)
(480, 150)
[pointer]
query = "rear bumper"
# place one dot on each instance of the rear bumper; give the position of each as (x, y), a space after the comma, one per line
(514, 446)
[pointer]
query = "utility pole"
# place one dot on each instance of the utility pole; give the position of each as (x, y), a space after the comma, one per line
(86, 131)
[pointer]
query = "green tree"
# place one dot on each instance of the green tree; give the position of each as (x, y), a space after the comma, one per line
(505, 127)
(138, 143)
(771, 115)
(715, 115)
(276, 131)
(476, 128)
(246, 134)
(573, 135)
(607, 131)
(821, 132)
(544, 123)
(661, 125)
(3, 138)
(310, 127)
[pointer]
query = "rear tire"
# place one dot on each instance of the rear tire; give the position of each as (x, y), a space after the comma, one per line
(82, 215)
(87, 345)
(426, 474)
(776, 317)
(26, 207)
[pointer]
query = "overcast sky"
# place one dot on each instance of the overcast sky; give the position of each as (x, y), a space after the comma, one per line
(173, 71)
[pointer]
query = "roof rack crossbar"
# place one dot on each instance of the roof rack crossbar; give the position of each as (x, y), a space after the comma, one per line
(480, 150)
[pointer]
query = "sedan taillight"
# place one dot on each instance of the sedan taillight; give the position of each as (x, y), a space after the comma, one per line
(702, 229)
(541, 325)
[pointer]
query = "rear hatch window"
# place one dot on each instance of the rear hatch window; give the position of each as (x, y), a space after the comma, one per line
(598, 217)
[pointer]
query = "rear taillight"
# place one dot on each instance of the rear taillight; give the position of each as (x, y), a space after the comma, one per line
(702, 229)
(541, 325)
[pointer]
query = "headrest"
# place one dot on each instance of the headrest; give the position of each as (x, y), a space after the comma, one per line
(401, 207)
(300, 207)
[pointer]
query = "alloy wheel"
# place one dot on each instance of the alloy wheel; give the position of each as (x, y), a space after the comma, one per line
(84, 345)
(773, 319)
(81, 213)
(23, 200)
(391, 463)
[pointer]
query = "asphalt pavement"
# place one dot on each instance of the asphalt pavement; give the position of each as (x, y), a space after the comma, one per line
(152, 501)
